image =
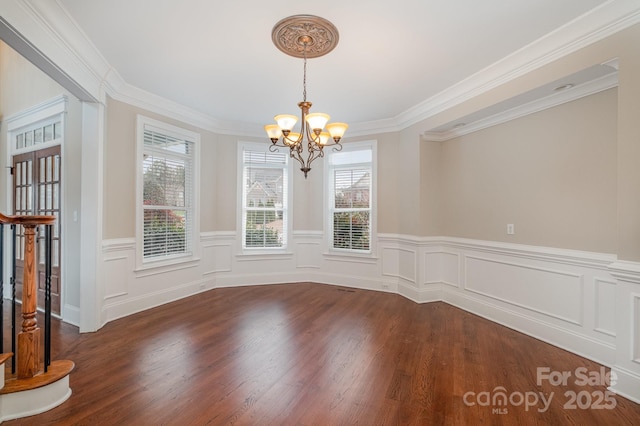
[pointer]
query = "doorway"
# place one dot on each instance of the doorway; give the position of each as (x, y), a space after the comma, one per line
(36, 191)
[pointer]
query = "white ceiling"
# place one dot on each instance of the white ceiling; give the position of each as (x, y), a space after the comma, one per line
(217, 58)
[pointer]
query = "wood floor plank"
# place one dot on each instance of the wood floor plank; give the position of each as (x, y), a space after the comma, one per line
(311, 354)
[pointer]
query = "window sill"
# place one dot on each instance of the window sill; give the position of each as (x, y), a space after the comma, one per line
(264, 255)
(339, 256)
(163, 266)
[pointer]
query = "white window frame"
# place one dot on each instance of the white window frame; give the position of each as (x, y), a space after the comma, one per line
(329, 201)
(193, 240)
(241, 213)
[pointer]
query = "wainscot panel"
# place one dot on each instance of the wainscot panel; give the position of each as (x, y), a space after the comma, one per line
(587, 303)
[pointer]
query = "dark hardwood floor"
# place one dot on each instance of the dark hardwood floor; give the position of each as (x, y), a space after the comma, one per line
(313, 354)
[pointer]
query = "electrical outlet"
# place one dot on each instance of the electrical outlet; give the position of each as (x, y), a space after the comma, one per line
(511, 229)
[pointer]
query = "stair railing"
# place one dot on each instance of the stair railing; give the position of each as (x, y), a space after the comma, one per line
(28, 352)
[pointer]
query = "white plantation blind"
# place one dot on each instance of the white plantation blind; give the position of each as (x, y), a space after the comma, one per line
(264, 199)
(350, 199)
(167, 167)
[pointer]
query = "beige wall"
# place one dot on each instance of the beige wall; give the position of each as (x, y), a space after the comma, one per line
(563, 180)
(552, 174)
(22, 86)
(227, 183)
(120, 171)
(629, 146)
(218, 163)
(624, 47)
(540, 172)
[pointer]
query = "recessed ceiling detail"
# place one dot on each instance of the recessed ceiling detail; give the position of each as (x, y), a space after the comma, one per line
(291, 34)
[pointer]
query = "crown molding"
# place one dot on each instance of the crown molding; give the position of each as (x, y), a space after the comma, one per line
(120, 90)
(48, 26)
(592, 87)
(597, 24)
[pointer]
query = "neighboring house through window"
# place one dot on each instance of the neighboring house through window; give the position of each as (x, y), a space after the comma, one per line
(351, 180)
(264, 198)
(167, 186)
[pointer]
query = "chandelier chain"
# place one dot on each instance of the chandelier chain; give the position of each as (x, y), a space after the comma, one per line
(304, 78)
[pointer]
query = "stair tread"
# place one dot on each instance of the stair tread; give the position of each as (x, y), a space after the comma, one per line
(57, 370)
(5, 357)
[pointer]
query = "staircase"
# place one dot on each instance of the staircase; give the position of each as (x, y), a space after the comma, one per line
(39, 384)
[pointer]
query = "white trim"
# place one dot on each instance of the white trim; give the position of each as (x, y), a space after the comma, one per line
(42, 111)
(625, 271)
(162, 267)
(627, 384)
(250, 257)
(595, 86)
(34, 401)
(556, 255)
(596, 298)
(350, 257)
(122, 308)
(91, 218)
(579, 277)
(71, 314)
(217, 235)
(118, 244)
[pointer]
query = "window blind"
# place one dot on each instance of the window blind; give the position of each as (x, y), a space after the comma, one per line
(350, 174)
(264, 200)
(167, 195)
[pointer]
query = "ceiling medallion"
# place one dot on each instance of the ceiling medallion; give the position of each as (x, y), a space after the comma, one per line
(291, 35)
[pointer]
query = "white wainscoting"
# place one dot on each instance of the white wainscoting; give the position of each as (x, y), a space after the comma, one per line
(574, 300)
(627, 305)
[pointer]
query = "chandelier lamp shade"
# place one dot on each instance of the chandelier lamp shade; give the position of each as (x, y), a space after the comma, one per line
(305, 36)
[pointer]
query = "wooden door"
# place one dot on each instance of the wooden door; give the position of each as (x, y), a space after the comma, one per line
(36, 181)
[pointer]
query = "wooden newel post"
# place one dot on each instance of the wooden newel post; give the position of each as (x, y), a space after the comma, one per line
(29, 337)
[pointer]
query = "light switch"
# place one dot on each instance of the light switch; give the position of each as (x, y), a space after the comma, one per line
(511, 229)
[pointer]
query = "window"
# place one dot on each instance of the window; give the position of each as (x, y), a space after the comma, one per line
(167, 221)
(350, 197)
(265, 193)
(46, 132)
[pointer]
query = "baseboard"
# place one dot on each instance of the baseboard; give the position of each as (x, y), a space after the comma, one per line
(627, 384)
(71, 315)
(132, 305)
(432, 293)
(584, 346)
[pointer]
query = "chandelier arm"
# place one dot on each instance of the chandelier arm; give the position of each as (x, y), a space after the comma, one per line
(295, 154)
(337, 147)
(292, 142)
(313, 154)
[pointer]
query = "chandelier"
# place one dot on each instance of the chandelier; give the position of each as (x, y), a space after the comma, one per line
(305, 36)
